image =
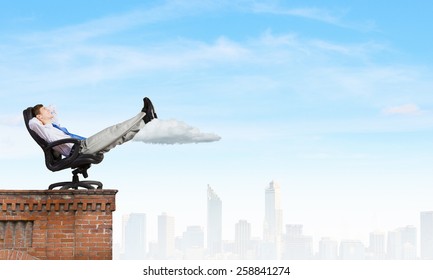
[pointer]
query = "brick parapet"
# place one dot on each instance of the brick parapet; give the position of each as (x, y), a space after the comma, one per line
(57, 224)
(66, 200)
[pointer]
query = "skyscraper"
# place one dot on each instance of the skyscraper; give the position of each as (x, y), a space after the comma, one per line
(328, 249)
(376, 249)
(427, 235)
(408, 242)
(242, 238)
(394, 248)
(134, 235)
(297, 245)
(193, 237)
(352, 250)
(192, 243)
(402, 243)
(214, 222)
(273, 223)
(165, 236)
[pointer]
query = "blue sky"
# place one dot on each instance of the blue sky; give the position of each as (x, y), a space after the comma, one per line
(332, 99)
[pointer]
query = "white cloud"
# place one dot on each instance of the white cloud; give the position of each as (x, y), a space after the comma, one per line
(11, 120)
(313, 13)
(333, 17)
(15, 142)
(406, 109)
(173, 132)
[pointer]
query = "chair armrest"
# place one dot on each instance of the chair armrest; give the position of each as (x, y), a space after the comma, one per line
(67, 161)
(63, 141)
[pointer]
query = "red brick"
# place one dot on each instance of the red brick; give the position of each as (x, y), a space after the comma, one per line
(75, 224)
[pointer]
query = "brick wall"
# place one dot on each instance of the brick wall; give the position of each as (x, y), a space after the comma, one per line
(56, 224)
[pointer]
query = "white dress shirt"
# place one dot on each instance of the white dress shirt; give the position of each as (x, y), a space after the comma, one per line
(50, 134)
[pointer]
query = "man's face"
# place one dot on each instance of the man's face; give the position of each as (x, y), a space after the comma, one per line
(44, 115)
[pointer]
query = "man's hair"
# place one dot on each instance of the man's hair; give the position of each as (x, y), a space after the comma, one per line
(37, 109)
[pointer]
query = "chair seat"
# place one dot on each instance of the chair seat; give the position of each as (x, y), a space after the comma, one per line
(84, 159)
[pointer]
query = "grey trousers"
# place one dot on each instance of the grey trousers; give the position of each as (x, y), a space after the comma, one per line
(112, 136)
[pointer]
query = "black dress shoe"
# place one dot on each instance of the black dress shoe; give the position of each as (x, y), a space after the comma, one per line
(149, 110)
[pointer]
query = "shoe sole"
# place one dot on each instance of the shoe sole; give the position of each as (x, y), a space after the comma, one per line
(150, 112)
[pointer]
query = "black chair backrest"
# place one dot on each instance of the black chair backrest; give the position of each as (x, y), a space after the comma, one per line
(50, 155)
(28, 115)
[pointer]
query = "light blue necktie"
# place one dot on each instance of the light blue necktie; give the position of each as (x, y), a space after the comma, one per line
(68, 133)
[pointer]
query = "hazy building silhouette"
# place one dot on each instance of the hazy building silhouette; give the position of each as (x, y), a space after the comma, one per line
(296, 245)
(192, 243)
(273, 223)
(134, 237)
(243, 239)
(402, 244)
(426, 235)
(409, 242)
(166, 241)
(328, 249)
(394, 248)
(153, 252)
(214, 222)
(376, 249)
(352, 250)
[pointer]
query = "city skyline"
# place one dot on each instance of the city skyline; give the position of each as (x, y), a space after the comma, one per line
(327, 225)
(332, 99)
(405, 242)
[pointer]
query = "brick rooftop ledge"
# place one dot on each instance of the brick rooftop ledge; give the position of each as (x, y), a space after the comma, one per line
(56, 200)
(56, 224)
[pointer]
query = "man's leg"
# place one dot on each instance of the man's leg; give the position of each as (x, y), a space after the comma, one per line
(112, 136)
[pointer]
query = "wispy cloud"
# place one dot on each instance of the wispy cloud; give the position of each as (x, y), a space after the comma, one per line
(306, 12)
(69, 56)
(62, 66)
(15, 142)
(11, 120)
(405, 109)
(285, 63)
(173, 131)
(113, 24)
(333, 17)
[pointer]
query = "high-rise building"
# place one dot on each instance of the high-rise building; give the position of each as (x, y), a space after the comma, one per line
(273, 223)
(426, 235)
(192, 243)
(328, 249)
(409, 242)
(296, 245)
(394, 249)
(134, 236)
(166, 236)
(214, 222)
(193, 237)
(242, 238)
(352, 250)
(402, 243)
(376, 250)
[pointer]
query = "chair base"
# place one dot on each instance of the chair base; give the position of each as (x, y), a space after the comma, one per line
(90, 185)
(76, 183)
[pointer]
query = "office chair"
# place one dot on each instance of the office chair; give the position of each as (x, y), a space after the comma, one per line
(54, 161)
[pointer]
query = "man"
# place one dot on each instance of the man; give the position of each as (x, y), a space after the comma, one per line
(101, 142)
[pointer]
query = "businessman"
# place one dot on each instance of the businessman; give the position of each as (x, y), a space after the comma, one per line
(101, 142)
